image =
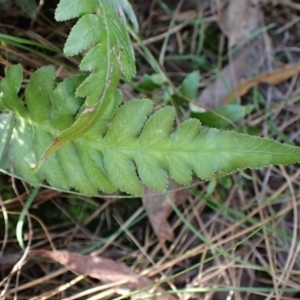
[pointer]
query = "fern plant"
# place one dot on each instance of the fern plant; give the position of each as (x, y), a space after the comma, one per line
(76, 134)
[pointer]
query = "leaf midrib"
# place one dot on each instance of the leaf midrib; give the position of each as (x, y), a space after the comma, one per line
(134, 146)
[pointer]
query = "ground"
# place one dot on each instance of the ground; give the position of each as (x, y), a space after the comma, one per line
(236, 237)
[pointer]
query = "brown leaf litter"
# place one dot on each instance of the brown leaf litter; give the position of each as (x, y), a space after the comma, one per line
(273, 77)
(159, 209)
(105, 270)
(238, 22)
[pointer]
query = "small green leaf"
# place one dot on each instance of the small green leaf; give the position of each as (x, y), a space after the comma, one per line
(9, 89)
(128, 121)
(189, 86)
(21, 152)
(92, 164)
(225, 181)
(223, 115)
(64, 103)
(38, 93)
(14, 77)
(52, 169)
(152, 82)
(69, 9)
(69, 161)
(121, 170)
(211, 187)
(250, 130)
(89, 27)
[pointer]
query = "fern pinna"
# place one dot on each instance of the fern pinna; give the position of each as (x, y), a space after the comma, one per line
(77, 135)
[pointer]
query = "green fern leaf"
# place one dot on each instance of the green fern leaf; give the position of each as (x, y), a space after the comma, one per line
(125, 148)
(187, 151)
(69, 9)
(47, 112)
(77, 136)
(109, 52)
(9, 87)
(99, 26)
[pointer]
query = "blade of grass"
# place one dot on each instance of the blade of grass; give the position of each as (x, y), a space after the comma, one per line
(21, 41)
(21, 220)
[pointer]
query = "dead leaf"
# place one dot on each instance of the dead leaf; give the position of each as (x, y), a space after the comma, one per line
(159, 209)
(240, 19)
(9, 259)
(103, 269)
(238, 22)
(273, 77)
(242, 66)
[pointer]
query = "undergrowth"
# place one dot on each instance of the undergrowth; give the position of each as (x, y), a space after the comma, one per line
(225, 243)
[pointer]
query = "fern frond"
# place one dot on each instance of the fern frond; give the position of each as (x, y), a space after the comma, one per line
(69, 9)
(47, 111)
(146, 152)
(127, 147)
(76, 135)
(101, 35)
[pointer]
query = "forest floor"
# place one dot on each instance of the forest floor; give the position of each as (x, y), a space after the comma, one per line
(236, 237)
